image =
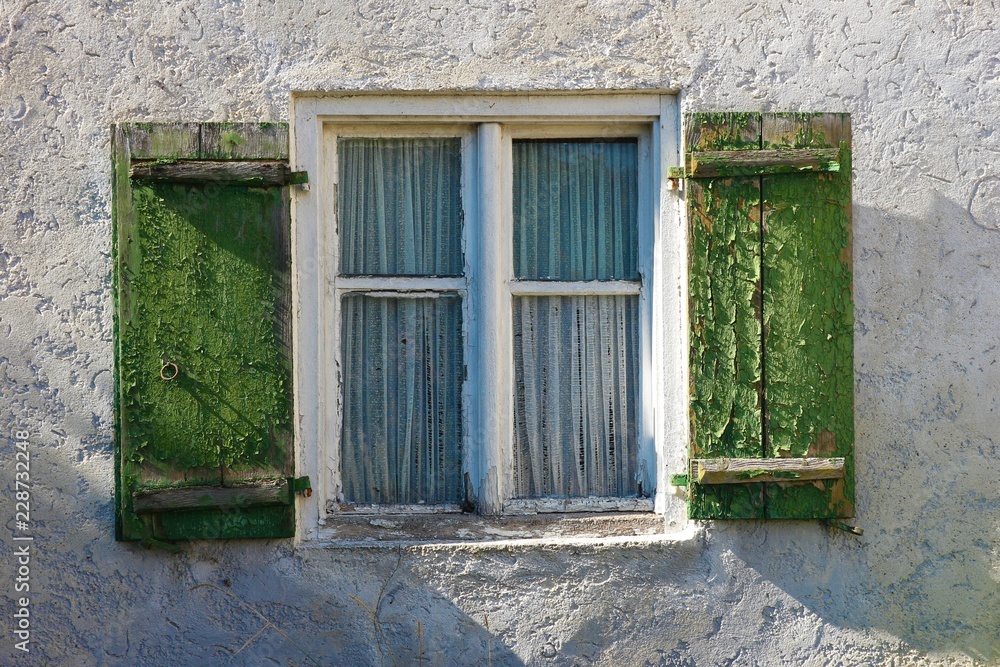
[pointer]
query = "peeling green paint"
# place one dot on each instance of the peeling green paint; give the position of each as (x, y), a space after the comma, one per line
(203, 282)
(723, 131)
(231, 140)
(771, 316)
(204, 298)
(724, 292)
(809, 326)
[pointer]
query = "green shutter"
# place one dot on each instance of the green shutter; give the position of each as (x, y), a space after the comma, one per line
(202, 272)
(771, 358)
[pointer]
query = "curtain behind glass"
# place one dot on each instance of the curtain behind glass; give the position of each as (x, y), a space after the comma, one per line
(575, 210)
(575, 396)
(402, 370)
(400, 206)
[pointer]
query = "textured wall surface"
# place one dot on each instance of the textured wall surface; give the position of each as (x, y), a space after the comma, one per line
(921, 79)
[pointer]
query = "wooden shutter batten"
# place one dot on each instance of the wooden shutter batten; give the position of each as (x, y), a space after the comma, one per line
(259, 494)
(748, 471)
(261, 173)
(730, 164)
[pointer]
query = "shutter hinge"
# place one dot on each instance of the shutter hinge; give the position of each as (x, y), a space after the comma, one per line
(152, 542)
(298, 178)
(679, 480)
(675, 178)
(301, 486)
(854, 530)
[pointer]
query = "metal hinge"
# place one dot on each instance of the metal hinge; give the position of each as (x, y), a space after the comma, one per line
(853, 530)
(679, 480)
(301, 486)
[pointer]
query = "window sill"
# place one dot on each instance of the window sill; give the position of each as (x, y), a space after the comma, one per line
(386, 530)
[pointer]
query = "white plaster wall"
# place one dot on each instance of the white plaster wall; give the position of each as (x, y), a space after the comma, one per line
(922, 80)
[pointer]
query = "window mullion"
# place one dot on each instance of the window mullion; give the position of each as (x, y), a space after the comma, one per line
(495, 345)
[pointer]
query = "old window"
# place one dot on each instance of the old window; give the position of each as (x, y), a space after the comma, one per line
(487, 301)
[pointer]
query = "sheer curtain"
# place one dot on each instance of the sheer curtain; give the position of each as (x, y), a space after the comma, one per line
(576, 403)
(575, 210)
(400, 213)
(402, 363)
(400, 206)
(575, 356)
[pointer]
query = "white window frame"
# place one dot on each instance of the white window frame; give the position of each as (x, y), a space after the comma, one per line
(487, 124)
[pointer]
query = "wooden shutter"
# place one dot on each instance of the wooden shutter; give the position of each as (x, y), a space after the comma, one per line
(202, 271)
(772, 321)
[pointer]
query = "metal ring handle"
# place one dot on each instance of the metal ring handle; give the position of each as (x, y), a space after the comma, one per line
(167, 366)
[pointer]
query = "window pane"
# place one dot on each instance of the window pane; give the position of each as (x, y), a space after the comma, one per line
(402, 363)
(400, 206)
(575, 210)
(575, 395)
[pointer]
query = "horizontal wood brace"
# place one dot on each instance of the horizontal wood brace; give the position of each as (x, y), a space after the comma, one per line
(749, 471)
(243, 172)
(725, 164)
(179, 499)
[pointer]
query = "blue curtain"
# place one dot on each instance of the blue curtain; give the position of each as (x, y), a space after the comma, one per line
(403, 368)
(575, 210)
(575, 357)
(576, 399)
(400, 206)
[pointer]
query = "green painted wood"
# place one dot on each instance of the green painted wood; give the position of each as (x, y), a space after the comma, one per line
(795, 355)
(124, 252)
(725, 317)
(203, 278)
(809, 316)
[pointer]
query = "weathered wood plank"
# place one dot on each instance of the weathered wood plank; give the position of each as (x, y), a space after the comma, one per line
(746, 471)
(263, 173)
(713, 164)
(124, 249)
(244, 141)
(809, 316)
(722, 132)
(169, 141)
(805, 130)
(725, 318)
(261, 494)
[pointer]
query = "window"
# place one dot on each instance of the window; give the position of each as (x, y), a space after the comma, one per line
(497, 304)
(486, 320)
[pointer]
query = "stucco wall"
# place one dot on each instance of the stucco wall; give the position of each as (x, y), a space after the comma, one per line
(922, 80)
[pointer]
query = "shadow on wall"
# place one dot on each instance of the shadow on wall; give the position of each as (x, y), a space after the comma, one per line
(381, 617)
(927, 570)
(237, 602)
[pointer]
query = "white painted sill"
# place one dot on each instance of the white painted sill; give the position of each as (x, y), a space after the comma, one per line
(380, 530)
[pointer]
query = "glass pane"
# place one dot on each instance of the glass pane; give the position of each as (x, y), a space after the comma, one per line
(576, 395)
(402, 370)
(400, 206)
(575, 210)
